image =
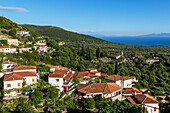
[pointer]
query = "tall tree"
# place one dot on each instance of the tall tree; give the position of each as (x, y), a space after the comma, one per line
(98, 52)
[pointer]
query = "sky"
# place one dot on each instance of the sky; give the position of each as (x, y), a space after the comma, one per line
(104, 17)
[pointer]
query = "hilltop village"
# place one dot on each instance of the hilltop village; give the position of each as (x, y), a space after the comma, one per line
(39, 74)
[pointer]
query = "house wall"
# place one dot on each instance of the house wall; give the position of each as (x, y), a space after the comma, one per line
(7, 66)
(8, 50)
(14, 84)
(29, 80)
(52, 81)
(150, 108)
(13, 42)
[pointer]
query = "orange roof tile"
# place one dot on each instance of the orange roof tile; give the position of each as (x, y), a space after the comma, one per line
(104, 75)
(68, 76)
(141, 99)
(60, 75)
(2, 47)
(131, 90)
(38, 63)
(8, 62)
(89, 69)
(61, 71)
(118, 77)
(24, 67)
(18, 75)
(99, 88)
(82, 74)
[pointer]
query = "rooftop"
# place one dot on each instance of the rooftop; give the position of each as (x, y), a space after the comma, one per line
(9, 62)
(24, 67)
(98, 88)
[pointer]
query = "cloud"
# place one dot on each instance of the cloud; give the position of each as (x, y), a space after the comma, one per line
(13, 9)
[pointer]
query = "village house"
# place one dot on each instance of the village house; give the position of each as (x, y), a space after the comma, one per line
(115, 56)
(131, 91)
(106, 90)
(61, 43)
(41, 49)
(25, 50)
(15, 80)
(23, 33)
(146, 101)
(29, 42)
(8, 65)
(123, 81)
(7, 49)
(13, 42)
(25, 69)
(90, 73)
(62, 79)
(40, 63)
(151, 60)
(40, 42)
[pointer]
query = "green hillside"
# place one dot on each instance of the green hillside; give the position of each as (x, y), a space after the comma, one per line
(76, 39)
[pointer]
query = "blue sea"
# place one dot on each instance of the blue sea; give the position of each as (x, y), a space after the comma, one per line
(163, 41)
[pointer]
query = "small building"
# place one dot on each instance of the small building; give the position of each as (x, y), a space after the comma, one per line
(40, 42)
(115, 56)
(62, 79)
(40, 63)
(151, 60)
(146, 101)
(7, 49)
(61, 43)
(106, 90)
(41, 49)
(13, 82)
(23, 33)
(13, 42)
(123, 81)
(25, 50)
(8, 65)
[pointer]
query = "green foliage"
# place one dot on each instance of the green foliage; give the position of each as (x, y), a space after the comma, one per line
(36, 98)
(118, 107)
(87, 103)
(6, 23)
(52, 92)
(43, 68)
(164, 107)
(76, 80)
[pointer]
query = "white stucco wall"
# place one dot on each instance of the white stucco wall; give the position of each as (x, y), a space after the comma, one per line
(52, 81)
(150, 108)
(29, 81)
(14, 84)
(7, 66)
(8, 50)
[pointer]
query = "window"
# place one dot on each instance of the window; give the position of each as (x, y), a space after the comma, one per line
(32, 80)
(57, 80)
(154, 108)
(8, 85)
(18, 84)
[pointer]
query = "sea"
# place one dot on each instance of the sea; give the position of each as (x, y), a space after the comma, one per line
(157, 41)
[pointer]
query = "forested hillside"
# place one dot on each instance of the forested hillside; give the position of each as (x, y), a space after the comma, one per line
(76, 39)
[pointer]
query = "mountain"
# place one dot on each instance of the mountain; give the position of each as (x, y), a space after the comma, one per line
(64, 35)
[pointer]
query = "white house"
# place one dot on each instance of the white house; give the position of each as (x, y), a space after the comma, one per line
(25, 69)
(40, 42)
(62, 79)
(106, 90)
(123, 81)
(146, 101)
(25, 50)
(14, 81)
(23, 33)
(8, 65)
(7, 49)
(115, 56)
(151, 60)
(13, 42)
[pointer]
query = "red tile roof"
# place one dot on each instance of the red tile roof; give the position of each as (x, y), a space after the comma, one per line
(114, 55)
(82, 74)
(61, 71)
(90, 69)
(2, 47)
(60, 75)
(69, 76)
(141, 99)
(24, 67)
(38, 63)
(131, 90)
(98, 88)
(104, 75)
(8, 62)
(118, 77)
(18, 75)
(150, 59)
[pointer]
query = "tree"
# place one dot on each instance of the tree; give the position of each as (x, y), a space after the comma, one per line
(89, 103)
(116, 68)
(76, 80)
(52, 92)
(98, 52)
(36, 98)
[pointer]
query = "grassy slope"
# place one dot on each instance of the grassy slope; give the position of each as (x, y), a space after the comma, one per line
(78, 39)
